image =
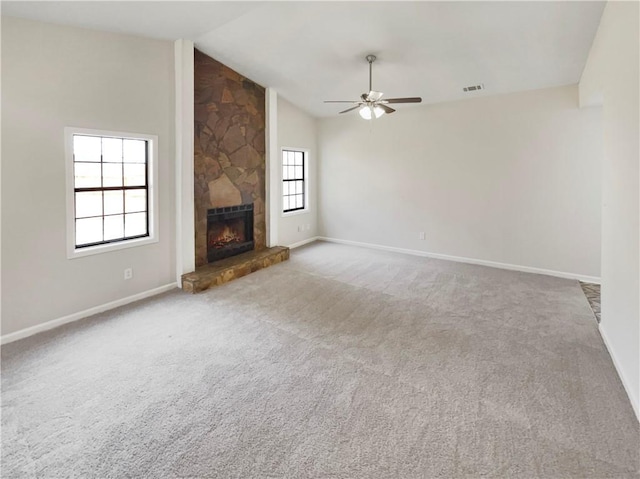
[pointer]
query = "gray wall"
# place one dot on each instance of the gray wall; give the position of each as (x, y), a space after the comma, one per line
(53, 77)
(297, 129)
(611, 78)
(512, 179)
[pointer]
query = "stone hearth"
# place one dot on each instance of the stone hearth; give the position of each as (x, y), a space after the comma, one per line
(228, 269)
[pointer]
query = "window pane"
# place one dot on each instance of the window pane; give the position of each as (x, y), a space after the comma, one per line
(292, 172)
(135, 151)
(112, 150)
(298, 160)
(285, 188)
(285, 172)
(135, 224)
(88, 230)
(86, 148)
(298, 187)
(135, 175)
(108, 166)
(299, 201)
(285, 203)
(113, 202)
(135, 200)
(291, 157)
(299, 172)
(112, 174)
(89, 204)
(87, 175)
(113, 227)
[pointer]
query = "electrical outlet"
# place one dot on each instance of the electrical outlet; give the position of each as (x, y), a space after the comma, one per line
(128, 273)
(422, 235)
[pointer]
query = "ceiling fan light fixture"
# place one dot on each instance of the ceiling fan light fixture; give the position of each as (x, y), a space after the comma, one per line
(368, 112)
(370, 105)
(365, 112)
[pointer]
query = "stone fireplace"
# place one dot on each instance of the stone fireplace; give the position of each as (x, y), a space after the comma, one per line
(229, 177)
(229, 149)
(229, 231)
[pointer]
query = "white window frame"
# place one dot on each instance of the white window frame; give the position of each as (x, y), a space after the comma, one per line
(152, 207)
(306, 182)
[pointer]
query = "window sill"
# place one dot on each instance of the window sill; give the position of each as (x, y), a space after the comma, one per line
(106, 248)
(295, 213)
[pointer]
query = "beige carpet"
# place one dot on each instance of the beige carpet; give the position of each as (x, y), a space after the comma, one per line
(341, 363)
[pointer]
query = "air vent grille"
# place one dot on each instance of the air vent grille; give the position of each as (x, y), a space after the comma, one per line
(477, 87)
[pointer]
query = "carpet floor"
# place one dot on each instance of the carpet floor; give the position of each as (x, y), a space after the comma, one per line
(340, 363)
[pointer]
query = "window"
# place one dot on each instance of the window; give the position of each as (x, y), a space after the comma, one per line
(293, 180)
(110, 194)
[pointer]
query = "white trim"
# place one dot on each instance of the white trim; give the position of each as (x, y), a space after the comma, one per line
(460, 259)
(184, 128)
(303, 242)
(272, 167)
(304, 211)
(635, 402)
(39, 328)
(152, 207)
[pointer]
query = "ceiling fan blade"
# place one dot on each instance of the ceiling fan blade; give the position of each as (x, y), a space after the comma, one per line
(374, 95)
(349, 109)
(342, 101)
(387, 109)
(413, 99)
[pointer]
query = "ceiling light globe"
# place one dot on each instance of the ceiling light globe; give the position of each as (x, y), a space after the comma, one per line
(365, 112)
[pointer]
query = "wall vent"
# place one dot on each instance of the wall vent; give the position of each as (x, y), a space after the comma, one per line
(477, 87)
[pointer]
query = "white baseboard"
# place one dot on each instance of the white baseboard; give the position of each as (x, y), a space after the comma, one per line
(635, 401)
(459, 259)
(303, 242)
(54, 323)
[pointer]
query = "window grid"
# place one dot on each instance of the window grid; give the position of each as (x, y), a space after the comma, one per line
(293, 180)
(102, 189)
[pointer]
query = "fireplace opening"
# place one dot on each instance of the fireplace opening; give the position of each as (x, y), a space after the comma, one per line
(229, 231)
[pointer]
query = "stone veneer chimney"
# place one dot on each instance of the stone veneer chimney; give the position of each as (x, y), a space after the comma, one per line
(229, 147)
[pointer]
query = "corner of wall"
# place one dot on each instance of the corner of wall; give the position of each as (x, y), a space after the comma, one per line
(273, 174)
(184, 137)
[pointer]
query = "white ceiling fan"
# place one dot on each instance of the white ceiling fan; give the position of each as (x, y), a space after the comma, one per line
(371, 104)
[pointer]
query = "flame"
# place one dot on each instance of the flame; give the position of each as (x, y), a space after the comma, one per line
(225, 237)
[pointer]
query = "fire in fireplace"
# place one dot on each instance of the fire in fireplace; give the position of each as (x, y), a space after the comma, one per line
(229, 231)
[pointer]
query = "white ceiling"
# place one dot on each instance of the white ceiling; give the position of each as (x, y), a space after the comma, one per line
(314, 51)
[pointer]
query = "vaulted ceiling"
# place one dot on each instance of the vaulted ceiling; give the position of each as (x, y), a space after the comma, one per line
(314, 51)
